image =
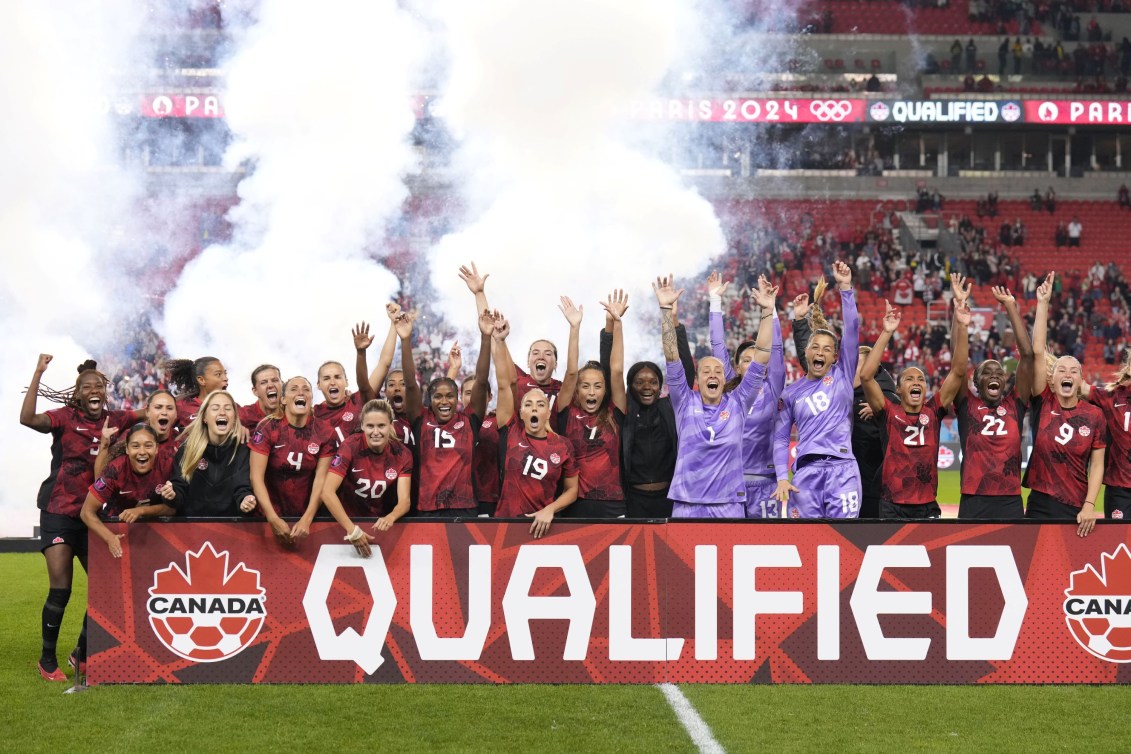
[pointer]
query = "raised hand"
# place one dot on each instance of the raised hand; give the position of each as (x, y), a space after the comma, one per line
(842, 274)
(666, 292)
(1044, 290)
(108, 434)
(487, 322)
(960, 285)
(616, 304)
(765, 294)
(44, 360)
(1003, 295)
(470, 276)
(801, 306)
(393, 309)
(502, 327)
(716, 286)
(361, 337)
(891, 317)
(403, 324)
(455, 357)
(573, 314)
(962, 312)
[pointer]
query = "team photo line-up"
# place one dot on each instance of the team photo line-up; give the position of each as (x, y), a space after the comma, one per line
(599, 443)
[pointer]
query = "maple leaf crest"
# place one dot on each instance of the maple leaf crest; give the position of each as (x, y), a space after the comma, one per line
(206, 572)
(1113, 578)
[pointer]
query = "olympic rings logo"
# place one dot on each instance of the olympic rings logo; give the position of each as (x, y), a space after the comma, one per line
(830, 110)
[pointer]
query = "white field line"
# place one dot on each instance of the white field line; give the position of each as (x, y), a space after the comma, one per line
(689, 718)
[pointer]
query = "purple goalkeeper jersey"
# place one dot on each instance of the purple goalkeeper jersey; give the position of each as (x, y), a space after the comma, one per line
(708, 466)
(758, 426)
(821, 409)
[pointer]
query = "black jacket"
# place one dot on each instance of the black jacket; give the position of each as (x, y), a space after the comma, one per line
(216, 490)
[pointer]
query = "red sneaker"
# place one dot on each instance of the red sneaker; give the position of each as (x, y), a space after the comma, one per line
(55, 675)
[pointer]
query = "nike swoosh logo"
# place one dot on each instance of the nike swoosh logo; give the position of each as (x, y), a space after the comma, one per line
(430, 424)
(280, 446)
(1120, 405)
(523, 445)
(1056, 413)
(52, 625)
(983, 408)
(356, 471)
(80, 429)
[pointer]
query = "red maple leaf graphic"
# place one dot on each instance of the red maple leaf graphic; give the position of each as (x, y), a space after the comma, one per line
(206, 572)
(1114, 577)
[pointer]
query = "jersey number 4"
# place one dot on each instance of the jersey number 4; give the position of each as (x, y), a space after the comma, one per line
(295, 459)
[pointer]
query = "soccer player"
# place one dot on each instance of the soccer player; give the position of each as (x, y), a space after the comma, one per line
(446, 436)
(590, 412)
(400, 384)
(210, 470)
(758, 422)
(541, 358)
(990, 425)
(290, 453)
(133, 486)
(534, 461)
(266, 386)
(76, 432)
(867, 435)
(1114, 399)
(160, 415)
(1066, 465)
(827, 479)
(194, 380)
(708, 481)
(373, 472)
(341, 408)
(910, 476)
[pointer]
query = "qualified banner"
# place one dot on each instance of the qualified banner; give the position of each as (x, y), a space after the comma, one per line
(482, 602)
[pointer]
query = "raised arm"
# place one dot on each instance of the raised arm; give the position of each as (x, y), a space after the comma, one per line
(1040, 334)
(666, 296)
(775, 375)
(873, 394)
(455, 361)
(686, 360)
(361, 341)
(766, 296)
(850, 337)
(476, 283)
(716, 289)
(504, 372)
(28, 417)
(801, 328)
(414, 398)
(615, 307)
(573, 315)
(959, 341)
(385, 360)
(1024, 385)
(106, 441)
(478, 405)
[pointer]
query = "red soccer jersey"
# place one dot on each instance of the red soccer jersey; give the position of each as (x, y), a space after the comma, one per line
(250, 416)
(75, 439)
(119, 488)
(991, 444)
(344, 419)
(1063, 441)
(910, 473)
(187, 410)
(369, 479)
(526, 383)
(445, 452)
(596, 449)
(403, 427)
(532, 469)
(292, 458)
(485, 461)
(1116, 407)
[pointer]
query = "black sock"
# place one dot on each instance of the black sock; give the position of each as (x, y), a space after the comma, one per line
(52, 620)
(80, 648)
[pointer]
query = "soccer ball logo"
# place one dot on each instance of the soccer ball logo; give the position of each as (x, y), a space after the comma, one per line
(206, 612)
(1097, 606)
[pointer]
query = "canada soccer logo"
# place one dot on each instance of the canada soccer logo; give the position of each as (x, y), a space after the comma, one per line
(206, 612)
(347, 416)
(390, 474)
(1097, 606)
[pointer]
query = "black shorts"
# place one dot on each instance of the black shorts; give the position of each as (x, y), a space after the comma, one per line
(1117, 503)
(647, 503)
(1042, 506)
(990, 506)
(595, 509)
(904, 511)
(447, 513)
(487, 509)
(56, 529)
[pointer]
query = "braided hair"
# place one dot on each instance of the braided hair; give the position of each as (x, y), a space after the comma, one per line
(69, 398)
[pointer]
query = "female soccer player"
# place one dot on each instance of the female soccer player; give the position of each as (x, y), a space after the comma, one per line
(160, 415)
(1066, 465)
(341, 408)
(400, 385)
(373, 472)
(590, 413)
(133, 486)
(210, 470)
(990, 425)
(758, 422)
(266, 386)
(708, 479)
(535, 461)
(290, 453)
(446, 435)
(1114, 399)
(76, 431)
(485, 458)
(194, 380)
(910, 477)
(827, 479)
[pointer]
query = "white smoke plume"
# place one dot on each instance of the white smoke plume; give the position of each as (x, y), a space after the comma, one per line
(561, 201)
(319, 100)
(63, 200)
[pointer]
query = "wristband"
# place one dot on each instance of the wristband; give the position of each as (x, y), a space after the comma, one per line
(665, 307)
(759, 348)
(354, 536)
(1090, 502)
(716, 303)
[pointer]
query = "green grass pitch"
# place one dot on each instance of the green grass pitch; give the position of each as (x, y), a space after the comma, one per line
(38, 716)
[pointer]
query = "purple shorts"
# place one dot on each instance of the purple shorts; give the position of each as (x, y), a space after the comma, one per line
(705, 510)
(828, 488)
(760, 502)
